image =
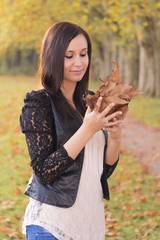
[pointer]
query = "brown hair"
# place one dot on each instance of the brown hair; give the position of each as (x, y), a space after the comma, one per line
(54, 46)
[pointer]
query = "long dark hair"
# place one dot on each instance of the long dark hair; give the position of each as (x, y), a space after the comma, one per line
(54, 46)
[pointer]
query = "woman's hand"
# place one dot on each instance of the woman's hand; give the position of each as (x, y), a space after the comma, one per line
(115, 130)
(94, 120)
(115, 135)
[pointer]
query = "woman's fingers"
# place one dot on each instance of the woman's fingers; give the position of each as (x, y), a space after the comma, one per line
(110, 116)
(88, 110)
(113, 116)
(113, 123)
(98, 104)
(107, 109)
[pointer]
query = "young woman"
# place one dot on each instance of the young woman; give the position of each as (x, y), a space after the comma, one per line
(67, 143)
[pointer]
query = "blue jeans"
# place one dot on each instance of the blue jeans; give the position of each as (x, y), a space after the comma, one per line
(34, 232)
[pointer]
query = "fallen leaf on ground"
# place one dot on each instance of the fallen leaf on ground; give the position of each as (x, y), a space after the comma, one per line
(5, 229)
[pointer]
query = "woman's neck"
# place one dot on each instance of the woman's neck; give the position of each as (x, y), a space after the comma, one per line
(68, 92)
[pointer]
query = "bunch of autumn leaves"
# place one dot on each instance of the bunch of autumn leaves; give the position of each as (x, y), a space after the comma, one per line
(112, 90)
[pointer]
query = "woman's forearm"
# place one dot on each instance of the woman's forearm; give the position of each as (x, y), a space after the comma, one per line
(77, 142)
(113, 150)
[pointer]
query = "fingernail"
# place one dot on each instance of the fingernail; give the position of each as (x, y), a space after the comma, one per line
(113, 104)
(120, 112)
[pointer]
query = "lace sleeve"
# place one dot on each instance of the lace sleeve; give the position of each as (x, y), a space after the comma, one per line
(38, 125)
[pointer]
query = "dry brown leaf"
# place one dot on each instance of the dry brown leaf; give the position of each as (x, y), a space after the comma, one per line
(5, 229)
(113, 90)
(112, 234)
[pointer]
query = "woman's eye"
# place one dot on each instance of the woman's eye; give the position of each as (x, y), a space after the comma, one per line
(83, 55)
(68, 57)
(71, 56)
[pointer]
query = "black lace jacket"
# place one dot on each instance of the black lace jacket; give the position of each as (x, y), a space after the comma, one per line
(38, 125)
(48, 161)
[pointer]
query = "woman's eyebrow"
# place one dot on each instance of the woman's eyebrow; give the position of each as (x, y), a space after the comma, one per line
(74, 51)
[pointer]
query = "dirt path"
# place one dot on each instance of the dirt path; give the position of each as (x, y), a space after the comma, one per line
(143, 143)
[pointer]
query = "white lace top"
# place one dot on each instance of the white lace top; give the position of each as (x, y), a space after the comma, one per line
(85, 220)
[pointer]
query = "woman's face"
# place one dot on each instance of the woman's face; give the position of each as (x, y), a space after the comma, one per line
(76, 59)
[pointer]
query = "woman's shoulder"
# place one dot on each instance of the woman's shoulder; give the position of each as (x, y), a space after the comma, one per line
(36, 111)
(37, 97)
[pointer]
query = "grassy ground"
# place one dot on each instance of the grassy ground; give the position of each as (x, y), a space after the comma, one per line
(132, 213)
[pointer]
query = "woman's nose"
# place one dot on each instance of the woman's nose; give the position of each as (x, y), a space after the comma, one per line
(78, 61)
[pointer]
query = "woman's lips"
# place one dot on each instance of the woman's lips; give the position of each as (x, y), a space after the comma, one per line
(77, 71)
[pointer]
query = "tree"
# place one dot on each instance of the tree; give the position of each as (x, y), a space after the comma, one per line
(126, 31)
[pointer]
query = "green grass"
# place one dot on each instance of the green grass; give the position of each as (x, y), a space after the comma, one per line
(15, 170)
(146, 110)
(132, 213)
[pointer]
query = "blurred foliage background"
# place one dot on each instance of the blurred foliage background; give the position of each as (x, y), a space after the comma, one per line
(126, 31)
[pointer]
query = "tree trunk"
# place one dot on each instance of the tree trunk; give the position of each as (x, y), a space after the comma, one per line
(157, 70)
(142, 68)
(149, 75)
(17, 58)
(128, 63)
(156, 47)
(105, 58)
